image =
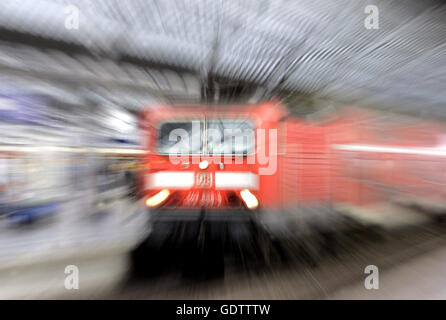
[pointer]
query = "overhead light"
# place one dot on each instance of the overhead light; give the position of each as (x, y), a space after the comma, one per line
(250, 200)
(158, 198)
(203, 164)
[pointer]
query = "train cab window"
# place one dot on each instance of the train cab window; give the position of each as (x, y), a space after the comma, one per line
(230, 137)
(183, 137)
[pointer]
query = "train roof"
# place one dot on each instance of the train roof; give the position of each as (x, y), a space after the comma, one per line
(271, 110)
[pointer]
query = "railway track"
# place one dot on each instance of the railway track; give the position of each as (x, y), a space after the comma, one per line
(300, 269)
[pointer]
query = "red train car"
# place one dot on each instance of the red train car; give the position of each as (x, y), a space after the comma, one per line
(211, 163)
(387, 162)
(256, 163)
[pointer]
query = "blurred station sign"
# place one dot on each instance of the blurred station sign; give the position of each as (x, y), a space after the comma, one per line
(23, 108)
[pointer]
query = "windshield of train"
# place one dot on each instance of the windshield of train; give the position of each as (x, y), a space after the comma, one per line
(183, 137)
(222, 136)
(230, 137)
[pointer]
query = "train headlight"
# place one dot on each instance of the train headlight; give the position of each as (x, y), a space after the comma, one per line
(203, 164)
(157, 198)
(249, 199)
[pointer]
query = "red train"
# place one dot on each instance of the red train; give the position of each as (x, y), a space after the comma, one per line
(256, 163)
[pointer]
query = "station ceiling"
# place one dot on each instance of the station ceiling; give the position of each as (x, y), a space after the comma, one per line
(309, 46)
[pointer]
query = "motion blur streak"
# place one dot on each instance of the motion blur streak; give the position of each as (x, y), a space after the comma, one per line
(136, 137)
(157, 198)
(249, 199)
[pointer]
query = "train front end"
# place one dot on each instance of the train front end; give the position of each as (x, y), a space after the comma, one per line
(204, 164)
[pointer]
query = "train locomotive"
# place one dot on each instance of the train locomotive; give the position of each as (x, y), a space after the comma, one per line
(211, 164)
(258, 164)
